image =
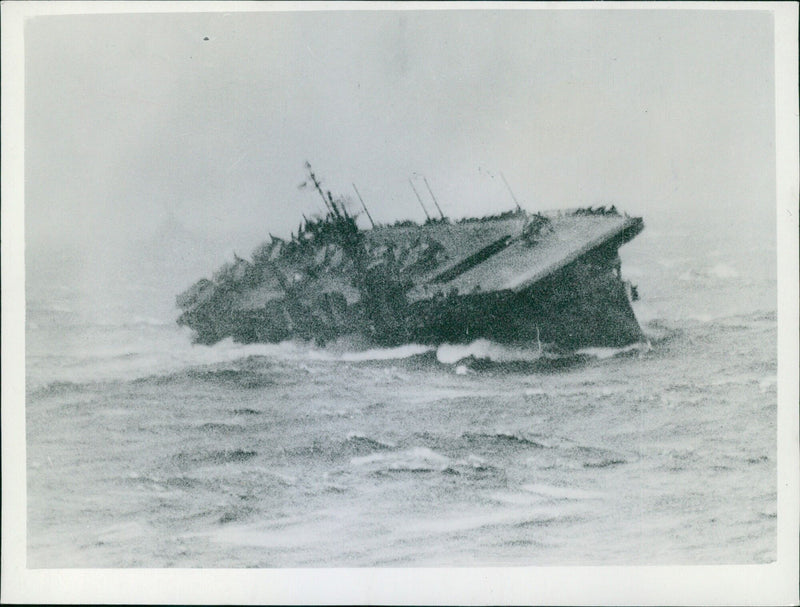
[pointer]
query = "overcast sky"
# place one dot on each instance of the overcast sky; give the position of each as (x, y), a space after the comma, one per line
(135, 119)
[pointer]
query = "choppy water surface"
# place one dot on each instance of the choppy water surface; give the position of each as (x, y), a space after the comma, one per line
(145, 451)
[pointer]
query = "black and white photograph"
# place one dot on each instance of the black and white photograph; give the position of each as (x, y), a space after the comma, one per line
(387, 288)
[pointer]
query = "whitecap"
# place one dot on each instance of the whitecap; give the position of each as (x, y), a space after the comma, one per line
(603, 353)
(399, 352)
(366, 460)
(449, 354)
(417, 458)
(476, 461)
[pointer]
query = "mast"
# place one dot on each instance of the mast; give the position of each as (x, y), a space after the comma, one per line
(420, 199)
(363, 205)
(510, 192)
(425, 179)
(336, 210)
(318, 187)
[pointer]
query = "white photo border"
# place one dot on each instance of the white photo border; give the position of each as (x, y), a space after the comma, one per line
(768, 584)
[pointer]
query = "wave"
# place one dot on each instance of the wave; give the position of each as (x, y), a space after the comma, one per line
(483, 348)
(250, 366)
(221, 428)
(524, 515)
(603, 353)
(240, 378)
(362, 440)
(596, 457)
(417, 459)
(485, 354)
(227, 350)
(425, 460)
(55, 388)
(501, 438)
(246, 411)
(567, 493)
(165, 356)
(605, 463)
(234, 514)
(167, 353)
(373, 354)
(354, 447)
(226, 456)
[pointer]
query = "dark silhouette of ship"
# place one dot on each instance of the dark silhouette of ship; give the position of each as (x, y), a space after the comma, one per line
(546, 278)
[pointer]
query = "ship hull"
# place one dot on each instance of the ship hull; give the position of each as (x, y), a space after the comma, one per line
(585, 304)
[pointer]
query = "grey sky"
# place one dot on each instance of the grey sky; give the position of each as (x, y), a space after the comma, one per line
(131, 119)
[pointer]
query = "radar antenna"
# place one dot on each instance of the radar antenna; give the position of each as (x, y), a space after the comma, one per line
(420, 199)
(519, 208)
(318, 186)
(436, 202)
(363, 205)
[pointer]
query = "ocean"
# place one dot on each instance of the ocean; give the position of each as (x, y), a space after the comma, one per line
(144, 450)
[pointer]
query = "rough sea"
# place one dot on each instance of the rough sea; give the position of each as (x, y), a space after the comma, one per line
(144, 450)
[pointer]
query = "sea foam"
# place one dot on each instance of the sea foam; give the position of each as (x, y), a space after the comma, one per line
(449, 354)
